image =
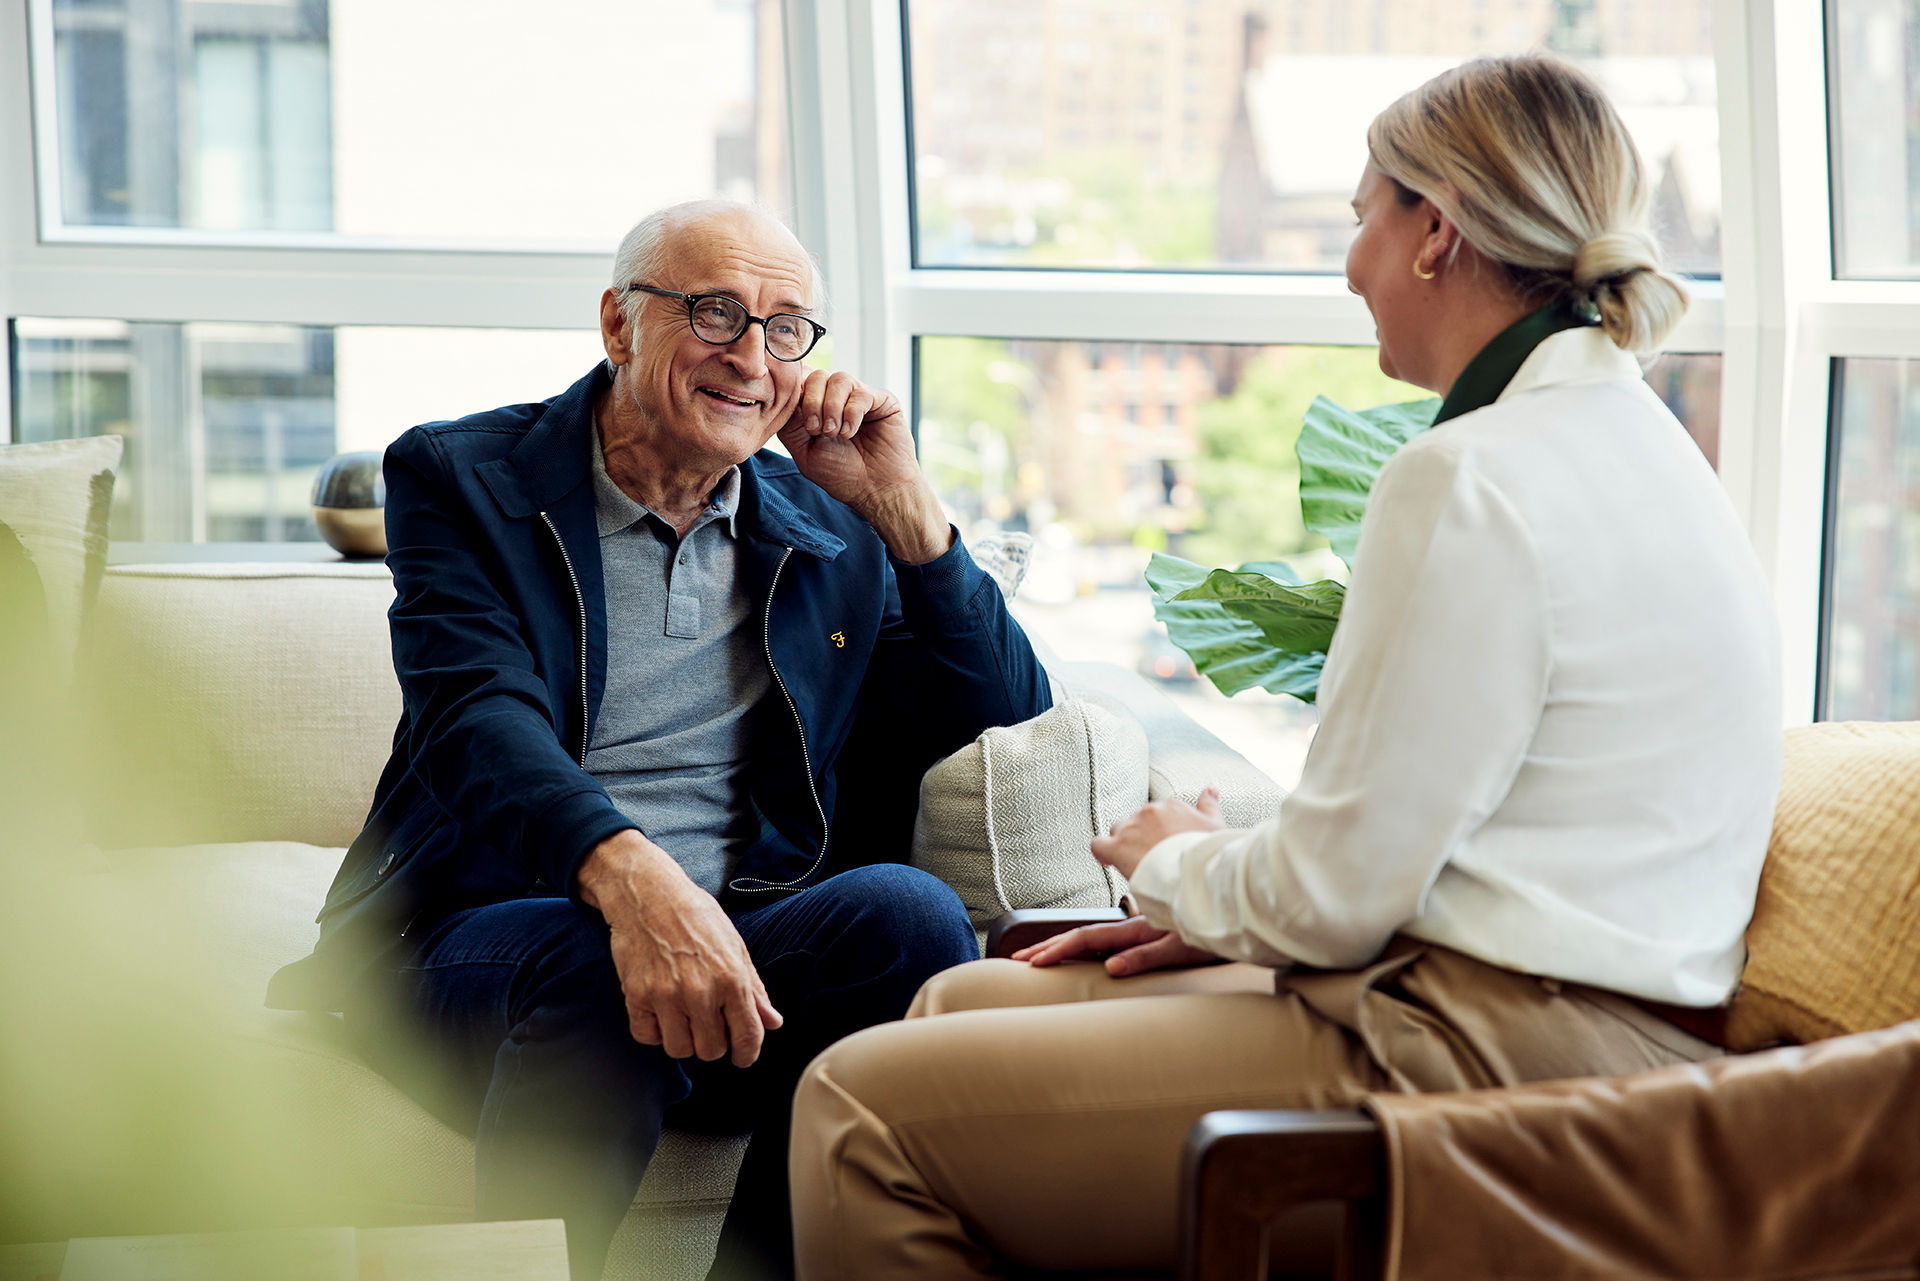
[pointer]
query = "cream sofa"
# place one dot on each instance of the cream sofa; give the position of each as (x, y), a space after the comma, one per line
(243, 713)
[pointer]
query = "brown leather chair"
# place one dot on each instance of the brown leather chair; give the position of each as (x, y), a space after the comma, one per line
(1801, 1162)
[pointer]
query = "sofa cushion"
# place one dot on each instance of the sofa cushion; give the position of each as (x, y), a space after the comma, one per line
(1006, 820)
(239, 702)
(1834, 946)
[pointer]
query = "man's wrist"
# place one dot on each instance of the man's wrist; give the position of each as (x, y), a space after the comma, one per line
(911, 522)
(612, 867)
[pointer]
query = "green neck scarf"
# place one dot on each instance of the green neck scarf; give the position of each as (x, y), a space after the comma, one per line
(1489, 372)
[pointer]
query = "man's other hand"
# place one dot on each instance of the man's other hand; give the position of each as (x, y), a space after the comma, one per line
(689, 983)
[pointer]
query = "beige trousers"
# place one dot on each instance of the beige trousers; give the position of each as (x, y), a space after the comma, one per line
(1031, 1120)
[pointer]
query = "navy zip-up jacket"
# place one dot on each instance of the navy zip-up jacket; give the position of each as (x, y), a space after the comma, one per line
(500, 641)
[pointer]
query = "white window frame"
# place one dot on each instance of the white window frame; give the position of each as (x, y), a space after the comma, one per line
(1778, 318)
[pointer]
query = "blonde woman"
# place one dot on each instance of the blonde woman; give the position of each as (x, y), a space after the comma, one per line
(1526, 842)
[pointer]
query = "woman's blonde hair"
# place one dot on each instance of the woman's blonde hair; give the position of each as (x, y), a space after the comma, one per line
(1531, 162)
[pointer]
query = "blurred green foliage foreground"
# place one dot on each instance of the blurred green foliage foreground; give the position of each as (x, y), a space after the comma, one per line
(131, 1102)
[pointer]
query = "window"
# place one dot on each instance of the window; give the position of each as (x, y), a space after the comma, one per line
(1873, 574)
(1869, 665)
(327, 221)
(1247, 161)
(226, 425)
(1872, 47)
(210, 116)
(1215, 237)
(409, 121)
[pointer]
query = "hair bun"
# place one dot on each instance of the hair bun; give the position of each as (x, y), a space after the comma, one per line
(1639, 304)
(1612, 255)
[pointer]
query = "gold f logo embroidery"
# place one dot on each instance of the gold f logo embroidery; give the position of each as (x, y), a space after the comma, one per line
(839, 640)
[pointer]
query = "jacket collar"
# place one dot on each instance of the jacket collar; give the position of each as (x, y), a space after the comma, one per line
(768, 514)
(556, 459)
(1582, 355)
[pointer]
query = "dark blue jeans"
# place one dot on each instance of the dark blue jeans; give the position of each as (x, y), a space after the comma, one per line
(508, 1022)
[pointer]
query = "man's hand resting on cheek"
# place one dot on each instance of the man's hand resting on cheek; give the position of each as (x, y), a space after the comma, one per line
(854, 442)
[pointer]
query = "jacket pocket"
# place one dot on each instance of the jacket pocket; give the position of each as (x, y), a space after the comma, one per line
(382, 859)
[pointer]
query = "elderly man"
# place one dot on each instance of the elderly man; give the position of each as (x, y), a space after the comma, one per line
(667, 700)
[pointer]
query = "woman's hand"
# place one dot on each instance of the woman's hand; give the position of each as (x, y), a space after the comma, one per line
(1132, 946)
(1155, 822)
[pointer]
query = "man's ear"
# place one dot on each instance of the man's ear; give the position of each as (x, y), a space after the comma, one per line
(615, 334)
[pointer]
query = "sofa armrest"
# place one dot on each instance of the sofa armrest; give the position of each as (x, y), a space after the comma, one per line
(1243, 1170)
(1012, 931)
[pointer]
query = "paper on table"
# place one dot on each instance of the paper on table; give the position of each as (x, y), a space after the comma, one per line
(308, 1254)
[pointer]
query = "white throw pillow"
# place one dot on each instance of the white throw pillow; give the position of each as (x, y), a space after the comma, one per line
(1007, 819)
(54, 500)
(1004, 556)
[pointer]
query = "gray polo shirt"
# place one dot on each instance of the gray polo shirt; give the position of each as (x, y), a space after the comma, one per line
(686, 673)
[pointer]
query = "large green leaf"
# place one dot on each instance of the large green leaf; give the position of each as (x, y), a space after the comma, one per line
(1341, 452)
(1260, 625)
(1168, 576)
(1245, 628)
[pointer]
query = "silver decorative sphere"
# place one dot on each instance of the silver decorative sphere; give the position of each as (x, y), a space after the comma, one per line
(349, 503)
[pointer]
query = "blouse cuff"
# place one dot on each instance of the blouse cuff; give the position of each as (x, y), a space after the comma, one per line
(1156, 878)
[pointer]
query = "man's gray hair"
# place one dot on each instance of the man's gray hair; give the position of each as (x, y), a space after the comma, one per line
(643, 251)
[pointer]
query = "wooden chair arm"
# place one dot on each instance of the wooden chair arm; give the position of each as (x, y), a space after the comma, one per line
(1023, 928)
(1242, 1170)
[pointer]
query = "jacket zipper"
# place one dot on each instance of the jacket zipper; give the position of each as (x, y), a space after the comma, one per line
(580, 604)
(750, 885)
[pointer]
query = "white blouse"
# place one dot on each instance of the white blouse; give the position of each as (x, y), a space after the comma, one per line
(1550, 719)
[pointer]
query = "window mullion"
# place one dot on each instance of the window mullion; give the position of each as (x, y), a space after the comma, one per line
(1776, 258)
(847, 54)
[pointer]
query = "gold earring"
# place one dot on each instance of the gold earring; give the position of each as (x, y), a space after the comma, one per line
(1424, 275)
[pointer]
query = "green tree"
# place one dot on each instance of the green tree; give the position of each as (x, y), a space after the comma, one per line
(1246, 475)
(1115, 203)
(968, 386)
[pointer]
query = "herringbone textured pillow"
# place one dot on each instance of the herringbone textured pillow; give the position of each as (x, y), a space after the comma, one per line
(1835, 942)
(1007, 819)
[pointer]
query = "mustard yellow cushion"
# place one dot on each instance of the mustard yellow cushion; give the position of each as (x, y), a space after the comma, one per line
(1835, 942)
